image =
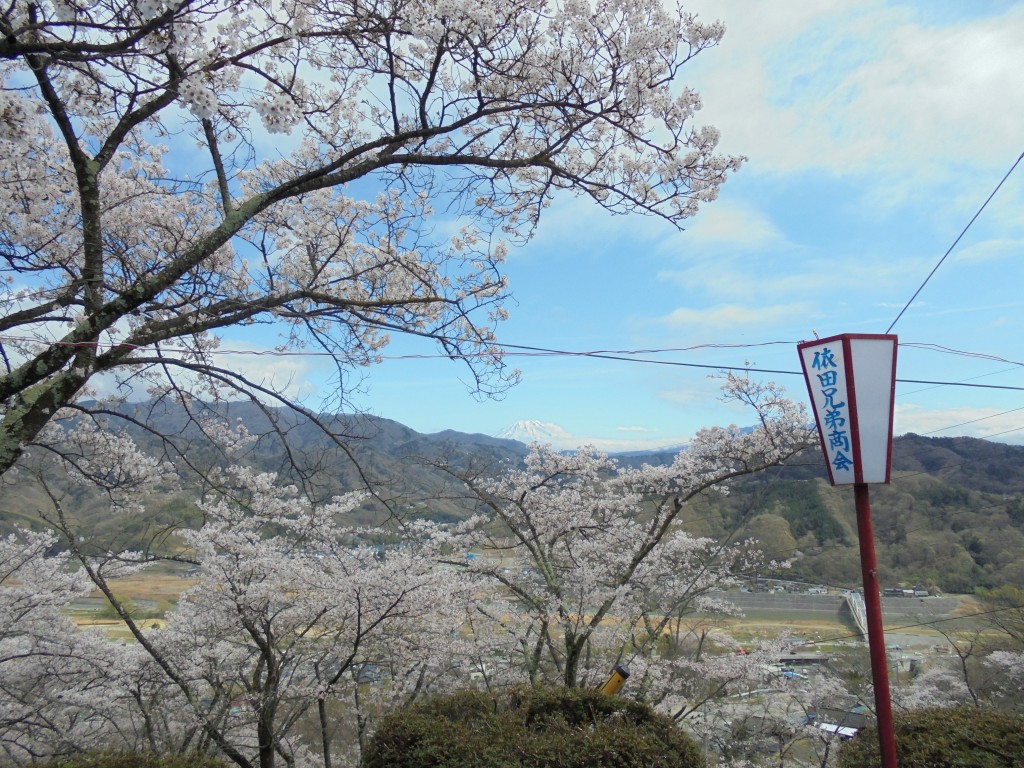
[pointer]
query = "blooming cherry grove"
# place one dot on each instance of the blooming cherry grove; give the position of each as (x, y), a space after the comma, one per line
(289, 613)
(297, 626)
(174, 168)
(296, 633)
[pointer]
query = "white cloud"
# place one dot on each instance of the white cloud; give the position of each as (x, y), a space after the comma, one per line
(732, 224)
(939, 92)
(618, 445)
(577, 223)
(294, 376)
(731, 300)
(982, 308)
(983, 422)
(991, 250)
(562, 439)
(723, 280)
(686, 397)
(724, 319)
(861, 86)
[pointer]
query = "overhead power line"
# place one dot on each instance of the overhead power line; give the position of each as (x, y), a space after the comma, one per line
(932, 623)
(975, 421)
(958, 237)
(627, 356)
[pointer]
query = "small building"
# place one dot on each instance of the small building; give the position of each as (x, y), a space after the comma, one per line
(797, 659)
(842, 731)
(852, 719)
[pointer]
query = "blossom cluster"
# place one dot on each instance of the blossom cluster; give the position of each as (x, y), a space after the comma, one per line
(491, 106)
(198, 98)
(279, 113)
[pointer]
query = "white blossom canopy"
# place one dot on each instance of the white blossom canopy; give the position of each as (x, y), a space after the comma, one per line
(172, 169)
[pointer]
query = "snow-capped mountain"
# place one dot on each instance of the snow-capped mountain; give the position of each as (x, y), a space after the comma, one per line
(534, 431)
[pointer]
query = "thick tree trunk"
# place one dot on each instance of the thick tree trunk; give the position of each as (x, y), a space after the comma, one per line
(573, 654)
(265, 736)
(325, 738)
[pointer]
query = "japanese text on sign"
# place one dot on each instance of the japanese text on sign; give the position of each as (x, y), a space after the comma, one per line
(824, 364)
(834, 421)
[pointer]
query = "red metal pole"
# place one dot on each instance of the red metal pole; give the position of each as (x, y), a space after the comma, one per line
(876, 634)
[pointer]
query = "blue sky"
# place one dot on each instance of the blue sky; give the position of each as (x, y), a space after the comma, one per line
(874, 132)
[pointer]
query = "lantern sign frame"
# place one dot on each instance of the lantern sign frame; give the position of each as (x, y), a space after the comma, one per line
(851, 380)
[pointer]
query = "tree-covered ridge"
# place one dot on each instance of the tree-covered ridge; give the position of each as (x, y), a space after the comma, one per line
(953, 516)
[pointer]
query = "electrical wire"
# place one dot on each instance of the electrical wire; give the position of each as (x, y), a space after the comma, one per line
(960, 352)
(975, 421)
(632, 356)
(972, 378)
(950, 250)
(933, 622)
(628, 356)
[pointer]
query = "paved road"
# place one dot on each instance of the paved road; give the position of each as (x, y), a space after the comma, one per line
(831, 607)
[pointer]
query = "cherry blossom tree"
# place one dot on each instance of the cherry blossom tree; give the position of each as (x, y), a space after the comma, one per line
(51, 674)
(770, 725)
(175, 168)
(1004, 612)
(976, 672)
(590, 564)
(1006, 671)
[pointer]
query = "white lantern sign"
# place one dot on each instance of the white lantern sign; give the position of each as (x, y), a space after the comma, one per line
(851, 379)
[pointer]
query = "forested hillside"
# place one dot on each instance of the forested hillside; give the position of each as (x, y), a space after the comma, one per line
(952, 517)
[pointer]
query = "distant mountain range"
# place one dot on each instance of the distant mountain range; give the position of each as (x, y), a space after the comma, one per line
(953, 515)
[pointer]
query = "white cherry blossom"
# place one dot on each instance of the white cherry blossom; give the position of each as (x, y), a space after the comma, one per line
(176, 169)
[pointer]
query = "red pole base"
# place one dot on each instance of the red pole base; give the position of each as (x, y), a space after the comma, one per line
(876, 633)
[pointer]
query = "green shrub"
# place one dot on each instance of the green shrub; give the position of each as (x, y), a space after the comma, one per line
(964, 737)
(530, 728)
(110, 759)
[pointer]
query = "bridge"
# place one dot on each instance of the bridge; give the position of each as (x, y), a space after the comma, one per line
(855, 602)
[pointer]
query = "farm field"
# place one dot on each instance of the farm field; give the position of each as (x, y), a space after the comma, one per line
(814, 619)
(150, 594)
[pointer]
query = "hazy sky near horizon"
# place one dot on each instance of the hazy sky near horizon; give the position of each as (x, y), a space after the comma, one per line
(874, 131)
